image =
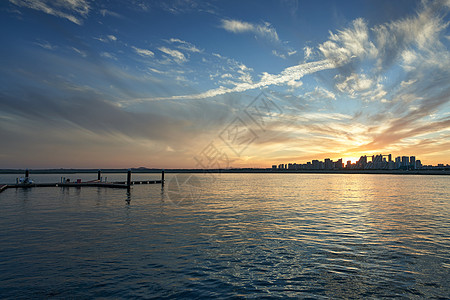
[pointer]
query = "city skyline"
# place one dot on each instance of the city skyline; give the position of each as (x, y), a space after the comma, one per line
(200, 84)
(365, 162)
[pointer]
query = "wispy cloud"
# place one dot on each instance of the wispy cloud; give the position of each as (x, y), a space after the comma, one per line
(288, 75)
(308, 51)
(72, 10)
(106, 12)
(348, 44)
(264, 30)
(183, 45)
(45, 45)
(80, 52)
(108, 38)
(108, 55)
(175, 54)
(143, 52)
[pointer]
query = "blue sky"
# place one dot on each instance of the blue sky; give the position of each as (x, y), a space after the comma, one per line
(183, 83)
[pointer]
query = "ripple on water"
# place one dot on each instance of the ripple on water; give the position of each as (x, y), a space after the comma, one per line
(245, 235)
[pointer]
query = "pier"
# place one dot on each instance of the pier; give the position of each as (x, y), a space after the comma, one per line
(27, 183)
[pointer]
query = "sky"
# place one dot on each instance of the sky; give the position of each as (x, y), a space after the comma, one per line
(220, 84)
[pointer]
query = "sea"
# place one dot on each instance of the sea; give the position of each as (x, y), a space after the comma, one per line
(228, 236)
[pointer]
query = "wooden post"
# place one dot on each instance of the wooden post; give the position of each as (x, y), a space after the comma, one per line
(99, 174)
(129, 178)
(162, 176)
(27, 173)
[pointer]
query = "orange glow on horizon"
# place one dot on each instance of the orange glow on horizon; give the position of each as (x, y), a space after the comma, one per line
(353, 159)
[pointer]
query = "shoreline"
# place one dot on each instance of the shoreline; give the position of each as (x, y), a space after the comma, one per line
(443, 171)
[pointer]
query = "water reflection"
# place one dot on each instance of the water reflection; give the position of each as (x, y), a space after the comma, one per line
(245, 235)
(128, 198)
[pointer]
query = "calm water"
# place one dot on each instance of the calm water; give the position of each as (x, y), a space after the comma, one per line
(241, 235)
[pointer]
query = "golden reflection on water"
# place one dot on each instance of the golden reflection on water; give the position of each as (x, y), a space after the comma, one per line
(344, 203)
(297, 235)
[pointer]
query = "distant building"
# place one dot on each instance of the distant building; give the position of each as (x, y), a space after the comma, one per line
(377, 162)
(328, 164)
(418, 164)
(391, 165)
(362, 162)
(315, 164)
(398, 162)
(412, 162)
(339, 165)
(405, 162)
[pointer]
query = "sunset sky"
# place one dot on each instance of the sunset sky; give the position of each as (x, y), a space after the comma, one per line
(192, 84)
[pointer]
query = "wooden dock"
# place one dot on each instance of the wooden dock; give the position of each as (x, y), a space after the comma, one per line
(120, 184)
(93, 183)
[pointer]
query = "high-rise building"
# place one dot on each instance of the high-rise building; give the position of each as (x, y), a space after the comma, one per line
(398, 162)
(418, 164)
(405, 162)
(349, 164)
(412, 162)
(315, 164)
(338, 165)
(328, 164)
(362, 162)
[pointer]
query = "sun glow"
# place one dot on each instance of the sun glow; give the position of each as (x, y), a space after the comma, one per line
(353, 159)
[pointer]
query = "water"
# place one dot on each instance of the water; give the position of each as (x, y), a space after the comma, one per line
(315, 236)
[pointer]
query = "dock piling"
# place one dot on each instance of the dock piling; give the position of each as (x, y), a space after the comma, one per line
(99, 174)
(27, 173)
(129, 178)
(162, 176)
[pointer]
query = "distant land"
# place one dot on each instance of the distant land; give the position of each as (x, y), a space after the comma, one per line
(435, 171)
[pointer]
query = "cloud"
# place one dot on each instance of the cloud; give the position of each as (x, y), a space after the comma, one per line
(348, 44)
(264, 30)
(287, 75)
(108, 55)
(143, 52)
(354, 84)
(106, 12)
(72, 10)
(182, 6)
(320, 93)
(81, 52)
(109, 38)
(103, 117)
(421, 32)
(185, 45)
(276, 53)
(175, 54)
(308, 52)
(46, 45)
